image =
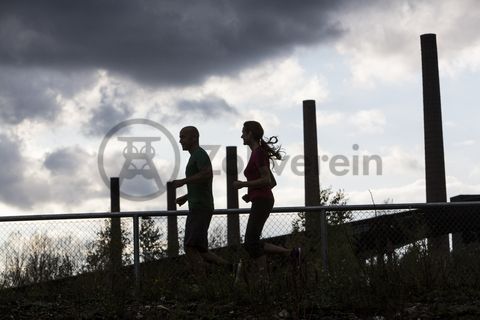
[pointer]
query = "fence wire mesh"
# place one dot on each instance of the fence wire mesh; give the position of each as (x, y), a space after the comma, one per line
(39, 251)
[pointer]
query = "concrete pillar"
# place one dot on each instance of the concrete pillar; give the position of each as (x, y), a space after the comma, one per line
(312, 173)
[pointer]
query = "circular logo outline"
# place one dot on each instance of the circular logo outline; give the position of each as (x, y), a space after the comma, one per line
(111, 132)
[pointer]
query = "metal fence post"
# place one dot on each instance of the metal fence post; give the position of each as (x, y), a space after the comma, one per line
(172, 226)
(324, 239)
(116, 236)
(136, 254)
(233, 220)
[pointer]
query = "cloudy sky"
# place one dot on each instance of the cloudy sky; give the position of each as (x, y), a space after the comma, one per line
(70, 71)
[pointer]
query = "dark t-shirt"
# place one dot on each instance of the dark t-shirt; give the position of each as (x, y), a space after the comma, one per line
(257, 160)
(199, 194)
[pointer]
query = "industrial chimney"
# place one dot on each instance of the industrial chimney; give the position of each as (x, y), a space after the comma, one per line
(432, 116)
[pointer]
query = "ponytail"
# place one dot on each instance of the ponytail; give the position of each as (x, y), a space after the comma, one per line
(268, 145)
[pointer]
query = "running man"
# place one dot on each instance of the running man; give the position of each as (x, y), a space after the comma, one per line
(198, 178)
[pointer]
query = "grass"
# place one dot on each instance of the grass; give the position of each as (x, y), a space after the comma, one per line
(405, 284)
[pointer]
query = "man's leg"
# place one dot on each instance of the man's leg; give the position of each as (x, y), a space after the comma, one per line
(272, 248)
(196, 261)
(202, 233)
(212, 257)
(191, 242)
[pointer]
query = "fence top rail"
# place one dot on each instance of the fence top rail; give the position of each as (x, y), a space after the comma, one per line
(131, 214)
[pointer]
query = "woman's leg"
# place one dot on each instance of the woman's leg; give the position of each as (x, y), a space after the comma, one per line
(256, 220)
(295, 254)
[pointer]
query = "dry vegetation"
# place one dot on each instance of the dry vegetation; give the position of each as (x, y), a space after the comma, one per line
(406, 284)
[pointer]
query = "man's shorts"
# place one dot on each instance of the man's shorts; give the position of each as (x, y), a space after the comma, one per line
(196, 228)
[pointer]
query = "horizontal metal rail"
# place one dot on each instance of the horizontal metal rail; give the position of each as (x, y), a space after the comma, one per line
(131, 214)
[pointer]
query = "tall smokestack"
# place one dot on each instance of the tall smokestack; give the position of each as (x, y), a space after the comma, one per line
(432, 117)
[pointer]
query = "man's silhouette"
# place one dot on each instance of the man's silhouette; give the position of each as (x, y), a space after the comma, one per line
(198, 178)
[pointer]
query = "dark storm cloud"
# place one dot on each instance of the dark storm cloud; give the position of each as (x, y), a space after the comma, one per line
(159, 42)
(105, 117)
(70, 178)
(111, 111)
(12, 162)
(32, 93)
(15, 188)
(63, 161)
(23, 97)
(210, 107)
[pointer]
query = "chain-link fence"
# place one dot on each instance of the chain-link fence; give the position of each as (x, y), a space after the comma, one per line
(35, 250)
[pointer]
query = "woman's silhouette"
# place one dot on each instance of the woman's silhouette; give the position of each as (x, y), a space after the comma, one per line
(259, 183)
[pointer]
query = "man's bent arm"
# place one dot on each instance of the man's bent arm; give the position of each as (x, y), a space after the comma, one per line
(203, 175)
